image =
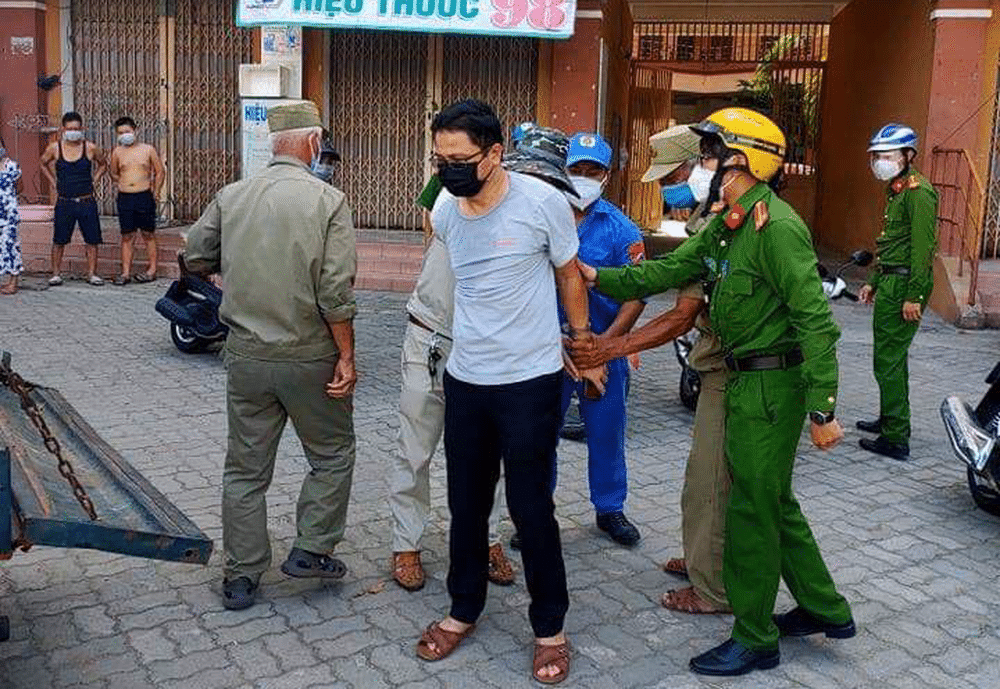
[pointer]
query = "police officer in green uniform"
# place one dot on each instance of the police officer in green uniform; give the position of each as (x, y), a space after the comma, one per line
(768, 308)
(900, 284)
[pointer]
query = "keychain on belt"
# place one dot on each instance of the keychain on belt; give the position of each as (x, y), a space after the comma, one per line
(434, 356)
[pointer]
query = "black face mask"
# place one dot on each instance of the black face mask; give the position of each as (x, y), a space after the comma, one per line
(461, 179)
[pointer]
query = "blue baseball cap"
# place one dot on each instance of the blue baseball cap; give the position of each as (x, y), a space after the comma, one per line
(589, 147)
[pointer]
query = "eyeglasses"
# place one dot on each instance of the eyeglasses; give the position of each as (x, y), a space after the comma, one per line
(440, 161)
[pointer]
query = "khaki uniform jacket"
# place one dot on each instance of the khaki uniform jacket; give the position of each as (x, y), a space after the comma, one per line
(284, 243)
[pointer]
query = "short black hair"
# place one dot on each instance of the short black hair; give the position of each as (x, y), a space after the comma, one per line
(475, 118)
(72, 116)
(125, 120)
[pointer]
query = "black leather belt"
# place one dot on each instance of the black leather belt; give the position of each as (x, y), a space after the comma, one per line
(420, 324)
(768, 362)
(894, 270)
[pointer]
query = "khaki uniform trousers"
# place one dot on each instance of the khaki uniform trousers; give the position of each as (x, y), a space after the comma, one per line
(705, 496)
(260, 397)
(421, 422)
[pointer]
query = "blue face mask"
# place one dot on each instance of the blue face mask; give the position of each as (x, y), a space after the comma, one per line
(679, 196)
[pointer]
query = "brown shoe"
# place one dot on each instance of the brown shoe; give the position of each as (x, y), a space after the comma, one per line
(501, 572)
(407, 570)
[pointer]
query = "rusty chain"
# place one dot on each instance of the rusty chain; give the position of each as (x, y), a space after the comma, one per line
(23, 390)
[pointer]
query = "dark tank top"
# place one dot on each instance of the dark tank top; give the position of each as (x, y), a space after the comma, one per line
(74, 178)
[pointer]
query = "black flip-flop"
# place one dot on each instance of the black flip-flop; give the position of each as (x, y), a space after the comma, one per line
(305, 565)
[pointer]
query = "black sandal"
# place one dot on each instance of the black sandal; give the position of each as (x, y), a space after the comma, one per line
(303, 564)
(238, 594)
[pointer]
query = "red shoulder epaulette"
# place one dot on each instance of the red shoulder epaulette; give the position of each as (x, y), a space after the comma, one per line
(735, 217)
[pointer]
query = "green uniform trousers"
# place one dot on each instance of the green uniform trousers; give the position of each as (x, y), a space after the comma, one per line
(893, 336)
(767, 538)
(705, 497)
(260, 397)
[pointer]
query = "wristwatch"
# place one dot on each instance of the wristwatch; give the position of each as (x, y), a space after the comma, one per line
(821, 418)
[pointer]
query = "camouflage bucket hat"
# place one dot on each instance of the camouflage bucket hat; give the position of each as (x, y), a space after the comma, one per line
(541, 152)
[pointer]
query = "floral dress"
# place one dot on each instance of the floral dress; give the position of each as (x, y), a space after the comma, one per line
(10, 247)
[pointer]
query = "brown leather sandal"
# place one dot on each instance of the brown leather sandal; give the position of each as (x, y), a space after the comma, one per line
(687, 600)
(676, 566)
(557, 655)
(445, 641)
(407, 571)
(501, 572)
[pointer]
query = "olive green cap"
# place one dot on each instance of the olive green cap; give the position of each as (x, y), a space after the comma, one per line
(281, 118)
(671, 148)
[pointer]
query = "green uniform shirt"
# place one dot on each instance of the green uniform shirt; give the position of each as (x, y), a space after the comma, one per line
(909, 234)
(283, 241)
(767, 296)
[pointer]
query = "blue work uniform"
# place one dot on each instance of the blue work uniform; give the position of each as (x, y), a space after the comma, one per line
(608, 238)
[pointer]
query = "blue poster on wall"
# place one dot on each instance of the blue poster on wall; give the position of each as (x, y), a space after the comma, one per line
(539, 18)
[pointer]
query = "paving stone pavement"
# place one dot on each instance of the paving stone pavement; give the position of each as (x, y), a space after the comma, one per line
(906, 545)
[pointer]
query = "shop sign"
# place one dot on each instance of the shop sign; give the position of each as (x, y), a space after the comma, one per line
(540, 18)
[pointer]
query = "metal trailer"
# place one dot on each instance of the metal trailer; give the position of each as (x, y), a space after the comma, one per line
(62, 485)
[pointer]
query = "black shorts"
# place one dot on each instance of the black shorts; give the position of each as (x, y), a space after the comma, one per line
(69, 213)
(136, 211)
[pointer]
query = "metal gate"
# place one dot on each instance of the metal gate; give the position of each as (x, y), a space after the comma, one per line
(649, 110)
(378, 118)
(385, 88)
(176, 75)
(498, 70)
(991, 222)
(207, 52)
(775, 68)
(116, 71)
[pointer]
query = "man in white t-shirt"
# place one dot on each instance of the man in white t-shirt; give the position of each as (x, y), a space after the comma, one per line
(511, 239)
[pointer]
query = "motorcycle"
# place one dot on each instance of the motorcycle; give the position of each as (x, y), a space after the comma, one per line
(974, 435)
(834, 286)
(191, 304)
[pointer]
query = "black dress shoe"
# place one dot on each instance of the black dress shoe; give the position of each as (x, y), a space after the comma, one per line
(881, 446)
(733, 658)
(617, 525)
(870, 426)
(573, 430)
(798, 622)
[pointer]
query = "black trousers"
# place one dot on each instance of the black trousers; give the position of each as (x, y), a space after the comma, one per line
(518, 424)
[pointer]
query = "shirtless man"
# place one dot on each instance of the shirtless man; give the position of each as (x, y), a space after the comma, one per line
(139, 174)
(73, 166)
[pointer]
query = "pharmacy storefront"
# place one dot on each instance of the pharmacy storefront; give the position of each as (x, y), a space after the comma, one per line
(386, 66)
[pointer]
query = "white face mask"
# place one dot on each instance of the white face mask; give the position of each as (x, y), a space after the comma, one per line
(126, 139)
(73, 135)
(885, 169)
(700, 181)
(589, 190)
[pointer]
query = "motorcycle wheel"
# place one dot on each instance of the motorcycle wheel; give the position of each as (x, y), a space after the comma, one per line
(186, 339)
(986, 498)
(690, 387)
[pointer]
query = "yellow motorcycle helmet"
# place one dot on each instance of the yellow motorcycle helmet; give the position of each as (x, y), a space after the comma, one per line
(752, 134)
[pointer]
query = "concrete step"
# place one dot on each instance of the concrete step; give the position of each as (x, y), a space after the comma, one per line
(382, 265)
